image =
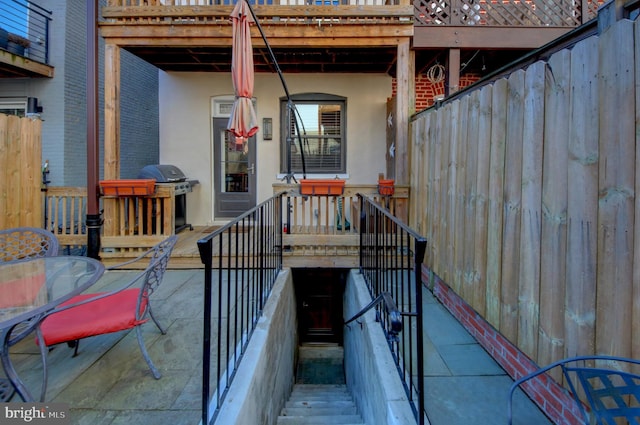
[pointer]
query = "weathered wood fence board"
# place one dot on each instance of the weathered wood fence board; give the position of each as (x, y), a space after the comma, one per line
(512, 197)
(530, 198)
(582, 209)
(617, 169)
(20, 172)
(530, 244)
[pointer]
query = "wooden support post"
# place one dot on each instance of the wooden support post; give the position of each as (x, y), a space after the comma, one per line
(111, 131)
(111, 112)
(453, 72)
(405, 105)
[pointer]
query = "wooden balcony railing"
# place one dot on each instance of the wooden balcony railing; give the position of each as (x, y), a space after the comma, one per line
(491, 13)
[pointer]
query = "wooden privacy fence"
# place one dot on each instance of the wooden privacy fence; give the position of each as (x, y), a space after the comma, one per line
(525, 189)
(20, 172)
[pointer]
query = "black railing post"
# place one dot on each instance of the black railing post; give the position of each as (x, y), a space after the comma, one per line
(261, 259)
(206, 256)
(420, 249)
(280, 232)
(363, 223)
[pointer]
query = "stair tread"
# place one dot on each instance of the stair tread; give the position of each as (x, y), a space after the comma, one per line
(319, 411)
(345, 396)
(317, 420)
(319, 403)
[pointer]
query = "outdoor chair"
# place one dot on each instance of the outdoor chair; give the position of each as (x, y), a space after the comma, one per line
(23, 243)
(102, 313)
(609, 394)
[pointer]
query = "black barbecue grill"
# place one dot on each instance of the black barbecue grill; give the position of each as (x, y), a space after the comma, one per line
(165, 173)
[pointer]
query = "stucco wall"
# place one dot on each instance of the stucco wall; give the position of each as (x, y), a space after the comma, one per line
(186, 126)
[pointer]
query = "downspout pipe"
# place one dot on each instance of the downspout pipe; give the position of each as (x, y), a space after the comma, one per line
(93, 219)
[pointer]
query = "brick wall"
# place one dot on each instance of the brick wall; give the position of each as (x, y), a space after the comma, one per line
(551, 398)
(426, 90)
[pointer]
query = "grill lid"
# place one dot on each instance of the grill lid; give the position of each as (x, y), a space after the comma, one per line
(163, 173)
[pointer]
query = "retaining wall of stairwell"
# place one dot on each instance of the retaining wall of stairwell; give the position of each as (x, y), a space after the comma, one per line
(265, 377)
(370, 372)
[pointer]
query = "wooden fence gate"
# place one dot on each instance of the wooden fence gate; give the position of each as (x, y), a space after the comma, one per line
(20, 172)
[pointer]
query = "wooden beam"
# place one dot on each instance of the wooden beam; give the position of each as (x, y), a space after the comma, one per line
(271, 11)
(485, 38)
(23, 65)
(317, 34)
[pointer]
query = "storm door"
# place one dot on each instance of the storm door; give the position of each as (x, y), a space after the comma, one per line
(234, 172)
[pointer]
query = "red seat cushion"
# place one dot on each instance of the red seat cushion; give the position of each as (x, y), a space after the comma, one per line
(105, 315)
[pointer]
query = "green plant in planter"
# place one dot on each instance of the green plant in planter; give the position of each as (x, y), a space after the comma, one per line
(4, 38)
(17, 44)
(19, 40)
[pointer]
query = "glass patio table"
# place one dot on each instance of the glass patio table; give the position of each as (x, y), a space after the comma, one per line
(28, 291)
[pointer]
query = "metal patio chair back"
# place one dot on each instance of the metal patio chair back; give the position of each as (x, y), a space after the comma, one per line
(610, 391)
(24, 243)
(102, 313)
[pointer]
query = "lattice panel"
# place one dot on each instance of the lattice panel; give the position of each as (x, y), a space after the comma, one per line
(527, 13)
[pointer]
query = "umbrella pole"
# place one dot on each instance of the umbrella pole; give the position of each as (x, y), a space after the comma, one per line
(290, 105)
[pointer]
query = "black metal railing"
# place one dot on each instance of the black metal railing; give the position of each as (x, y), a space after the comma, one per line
(248, 259)
(24, 29)
(391, 256)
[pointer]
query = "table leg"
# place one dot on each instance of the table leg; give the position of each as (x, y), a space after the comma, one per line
(9, 370)
(6, 390)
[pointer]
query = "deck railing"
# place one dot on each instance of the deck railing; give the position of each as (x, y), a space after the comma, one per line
(248, 258)
(391, 257)
(133, 224)
(490, 13)
(28, 24)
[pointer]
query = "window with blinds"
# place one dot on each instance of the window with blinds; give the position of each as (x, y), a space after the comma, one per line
(316, 129)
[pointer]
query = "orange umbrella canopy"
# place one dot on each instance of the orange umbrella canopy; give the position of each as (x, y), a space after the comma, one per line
(243, 122)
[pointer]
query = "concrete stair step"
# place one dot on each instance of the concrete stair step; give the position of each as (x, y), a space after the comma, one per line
(320, 411)
(319, 405)
(319, 395)
(320, 420)
(321, 387)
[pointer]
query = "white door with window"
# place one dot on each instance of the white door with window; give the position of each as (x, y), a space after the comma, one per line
(234, 167)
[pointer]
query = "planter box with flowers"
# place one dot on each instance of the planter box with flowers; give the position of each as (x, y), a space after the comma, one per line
(137, 187)
(333, 187)
(4, 38)
(386, 187)
(17, 44)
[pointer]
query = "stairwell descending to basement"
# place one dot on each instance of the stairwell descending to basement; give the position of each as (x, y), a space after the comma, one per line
(320, 394)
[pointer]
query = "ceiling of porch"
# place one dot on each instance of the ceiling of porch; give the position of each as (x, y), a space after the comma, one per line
(317, 60)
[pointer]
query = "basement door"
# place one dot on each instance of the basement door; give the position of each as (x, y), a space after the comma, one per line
(319, 293)
(234, 172)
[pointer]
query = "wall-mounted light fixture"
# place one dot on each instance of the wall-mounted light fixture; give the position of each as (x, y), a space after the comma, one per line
(267, 128)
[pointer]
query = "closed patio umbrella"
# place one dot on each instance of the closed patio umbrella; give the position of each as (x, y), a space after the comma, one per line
(242, 122)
